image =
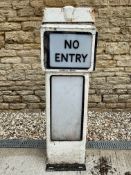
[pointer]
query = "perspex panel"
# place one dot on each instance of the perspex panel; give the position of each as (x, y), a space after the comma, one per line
(69, 50)
(67, 106)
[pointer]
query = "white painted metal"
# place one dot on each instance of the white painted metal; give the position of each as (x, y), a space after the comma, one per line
(67, 19)
(68, 28)
(69, 14)
(66, 151)
(66, 107)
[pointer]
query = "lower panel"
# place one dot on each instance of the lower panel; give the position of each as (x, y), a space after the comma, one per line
(67, 104)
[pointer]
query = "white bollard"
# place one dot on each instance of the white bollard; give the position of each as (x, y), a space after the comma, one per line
(68, 50)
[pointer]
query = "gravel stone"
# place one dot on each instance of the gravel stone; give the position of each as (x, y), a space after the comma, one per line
(100, 126)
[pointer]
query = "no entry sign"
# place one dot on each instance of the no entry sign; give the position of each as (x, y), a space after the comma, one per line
(68, 49)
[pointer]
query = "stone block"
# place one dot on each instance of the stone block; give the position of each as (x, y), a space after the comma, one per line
(27, 11)
(106, 91)
(114, 69)
(2, 41)
(106, 63)
(14, 46)
(2, 18)
(9, 26)
(128, 69)
(29, 53)
(91, 91)
(37, 66)
(38, 3)
(117, 48)
(118, 2)
(104, 12)
(16, 75)
(5, 66)
(37, 36)
(114, 12)
(36, 106)
(94, 98)
(128, 22)
(98, 80)
(31, 46)
(104, 57)
(125, 98)
(1, 99)
(121, 91)
(8, 12)
(17, 106)
(117, 21)
(39, 92)
(102, 74)
(10, 98)
(30, 59)
(122, 74)
(124, 63)
(118, 80)
(25, 92)
(21, 66)
(122, 57)
(6, 53)
(128, 105)
(20, 4)
(24, 18)
(34, 77)
(5, 4)
(114, 37)
(115, 105)
(110, 98)
(11, 60)
(4, 77)
(30, 98)
(110, 30)
(19, 37)
(4, 106)
(121, 11)
(102, 22)
(31, 25)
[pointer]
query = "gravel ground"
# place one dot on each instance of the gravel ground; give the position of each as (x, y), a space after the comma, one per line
(101, 126)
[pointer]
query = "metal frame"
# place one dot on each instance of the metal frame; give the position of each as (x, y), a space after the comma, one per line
(74, 28)
(47, 48)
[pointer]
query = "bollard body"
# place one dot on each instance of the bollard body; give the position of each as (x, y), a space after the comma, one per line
(68, 44)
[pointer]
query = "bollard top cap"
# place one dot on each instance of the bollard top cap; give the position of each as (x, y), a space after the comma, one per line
(69, 14)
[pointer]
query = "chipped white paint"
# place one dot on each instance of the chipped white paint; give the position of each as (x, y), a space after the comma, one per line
(74, 21)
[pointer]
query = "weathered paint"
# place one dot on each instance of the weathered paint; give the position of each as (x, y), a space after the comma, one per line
(67, 19)
(65, 151)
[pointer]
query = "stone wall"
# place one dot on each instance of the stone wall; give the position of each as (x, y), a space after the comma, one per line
(21, 77)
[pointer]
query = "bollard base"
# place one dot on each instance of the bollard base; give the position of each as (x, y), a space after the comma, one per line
(66, 167)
